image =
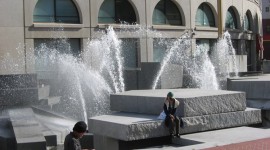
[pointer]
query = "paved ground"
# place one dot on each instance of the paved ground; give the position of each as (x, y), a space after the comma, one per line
(240, 138)
(261, 144)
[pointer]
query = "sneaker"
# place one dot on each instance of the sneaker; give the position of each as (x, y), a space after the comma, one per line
(177, 135)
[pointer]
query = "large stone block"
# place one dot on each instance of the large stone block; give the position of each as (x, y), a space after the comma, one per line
(26, 130)
(17, 81)
(256, 87)
(130, 126)
(7, 139)
(171, 77)
(18, 89)
(194, 102)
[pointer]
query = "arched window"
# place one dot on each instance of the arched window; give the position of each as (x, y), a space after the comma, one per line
(205, 16)
(60, 11)
(166, 12)
(247, 21)
(116, 11)
(231, 21)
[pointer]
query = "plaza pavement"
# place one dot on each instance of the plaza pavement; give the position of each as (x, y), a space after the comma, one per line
(239, 138)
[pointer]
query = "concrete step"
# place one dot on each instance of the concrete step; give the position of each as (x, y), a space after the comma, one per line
(132, 126)
(256, 87)
(26, 129)
(193, 102)
(50, 137)
(7, 139)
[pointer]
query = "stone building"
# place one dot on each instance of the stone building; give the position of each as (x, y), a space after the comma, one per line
(29, 23)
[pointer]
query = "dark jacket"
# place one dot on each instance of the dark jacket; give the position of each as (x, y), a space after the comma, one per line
(72, 143)
(170, 110)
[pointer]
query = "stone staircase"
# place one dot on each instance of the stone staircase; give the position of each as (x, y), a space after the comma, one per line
(136, 113)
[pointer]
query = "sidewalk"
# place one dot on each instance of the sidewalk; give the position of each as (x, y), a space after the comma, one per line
(239, 138)
(261, 144)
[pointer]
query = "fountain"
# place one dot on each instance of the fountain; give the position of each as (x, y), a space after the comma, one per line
(87, 80)
(78, 84)
(83, 81)
(206, 71)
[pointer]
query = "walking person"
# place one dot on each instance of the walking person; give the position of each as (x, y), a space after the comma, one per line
(171, 120)
(72, 140)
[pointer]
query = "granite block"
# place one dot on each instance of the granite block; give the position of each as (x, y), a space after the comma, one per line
(131, 126)
(193, 102)
(26, 129)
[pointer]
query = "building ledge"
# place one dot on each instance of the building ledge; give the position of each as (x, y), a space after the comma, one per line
(234, 30)
(117, 26)
(169, 27)
(56, 25)
(206, 28)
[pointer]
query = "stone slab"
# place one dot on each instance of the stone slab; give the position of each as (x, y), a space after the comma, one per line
(194, 102)
(26, 129)
(7, 139)
(171, 77)
(50, 137)
(43, 92)
(131, 126)
(255, 87)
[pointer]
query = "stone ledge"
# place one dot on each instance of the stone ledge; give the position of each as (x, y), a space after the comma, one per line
(26, 129)
(194, 102)
(130, 126)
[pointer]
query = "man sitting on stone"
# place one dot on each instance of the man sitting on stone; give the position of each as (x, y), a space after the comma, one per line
(171, 120)
(72, 141)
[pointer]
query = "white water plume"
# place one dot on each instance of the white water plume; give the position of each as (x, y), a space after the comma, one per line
(104, 54)
(179, 48)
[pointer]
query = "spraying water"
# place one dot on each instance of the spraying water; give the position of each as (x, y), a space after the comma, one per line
(87, 84)
(203, 70)
(178, 48)
(86, 80)
(105, 55)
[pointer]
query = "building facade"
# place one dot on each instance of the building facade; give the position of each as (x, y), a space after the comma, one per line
(26, 24)
(266, 28)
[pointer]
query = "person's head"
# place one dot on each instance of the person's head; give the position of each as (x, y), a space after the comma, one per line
(170, 96)
(79, 129)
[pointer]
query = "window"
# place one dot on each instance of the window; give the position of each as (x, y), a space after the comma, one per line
(266, 9)
(166, 13)
(59, 11)
(48, 52)
(231, 21)
(130, 53)
(247, 22)
(248, 53)
(268, 29)
(204, 16)
(116, 11)
(206, 44)
(160, 48)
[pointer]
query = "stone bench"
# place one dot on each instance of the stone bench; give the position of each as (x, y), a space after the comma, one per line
(131, 126)
(194, 102)
(257, 87)
(26, 130)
